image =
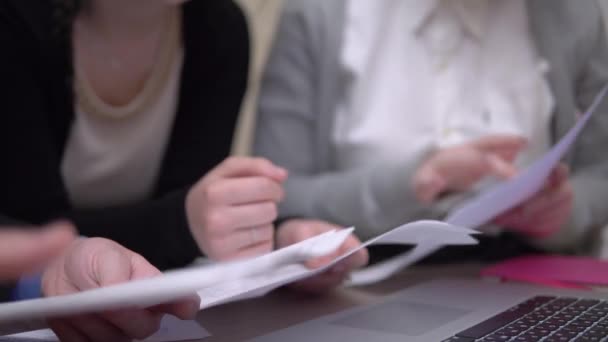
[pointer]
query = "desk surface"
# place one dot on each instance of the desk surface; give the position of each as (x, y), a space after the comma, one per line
(283, 308)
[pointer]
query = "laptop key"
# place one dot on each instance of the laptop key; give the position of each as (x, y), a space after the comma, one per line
(459, 339)
(496, 338)
(490, 325)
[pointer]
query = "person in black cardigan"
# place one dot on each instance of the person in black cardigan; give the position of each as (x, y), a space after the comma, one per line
(80, 265)
(177, 219)
(199, 201)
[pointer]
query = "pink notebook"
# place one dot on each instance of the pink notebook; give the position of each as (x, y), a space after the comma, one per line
(554, 271)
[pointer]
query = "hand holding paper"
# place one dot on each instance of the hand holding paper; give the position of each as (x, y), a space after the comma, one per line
(546, 212)
(93, 263)
(231, 210)
(458, 168)
(297, 230)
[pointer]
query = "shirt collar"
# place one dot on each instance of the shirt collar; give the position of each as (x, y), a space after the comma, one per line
(472, 14)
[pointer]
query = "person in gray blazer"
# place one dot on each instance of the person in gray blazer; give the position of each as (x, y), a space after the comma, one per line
(390, 111)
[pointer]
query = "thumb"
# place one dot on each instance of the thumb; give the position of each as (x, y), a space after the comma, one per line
(185, 309)
(428, 185)
(25, 251)
(499, 167)
(114, 265)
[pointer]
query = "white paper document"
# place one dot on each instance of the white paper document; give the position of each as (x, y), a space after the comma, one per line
(218, 283)
(509, 194)
(30, 315)
(489, 204)
(171, 330)
(417, 233)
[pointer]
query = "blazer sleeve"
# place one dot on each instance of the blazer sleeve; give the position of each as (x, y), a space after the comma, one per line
(589, 166)
(373, 198)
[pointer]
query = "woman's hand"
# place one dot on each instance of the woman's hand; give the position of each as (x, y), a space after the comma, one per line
(25, 250)
(294, 231)
(232, 209)
(458, 168)
(546, 212)
(94, 263)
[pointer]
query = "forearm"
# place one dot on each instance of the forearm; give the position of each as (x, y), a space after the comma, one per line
(372, 199)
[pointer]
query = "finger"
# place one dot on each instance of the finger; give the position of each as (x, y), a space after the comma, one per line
(97, 329)
(543, 222)
(296, 230)
(252, 251)
(358, 259)
(247, 237)
(243, 216)
(247, 190)
(247, 167)
(428, 185)
(558, 212)
(546, 201)
(499, 167)
(66, 332)
(543, 231)
(141, 268)
(23, 251)
(185, 309)
(500, 142)
(559, 175)
(112, 266)
(135, 323)
(354, 261)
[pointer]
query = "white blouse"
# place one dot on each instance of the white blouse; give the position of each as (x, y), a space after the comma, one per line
(437, 73)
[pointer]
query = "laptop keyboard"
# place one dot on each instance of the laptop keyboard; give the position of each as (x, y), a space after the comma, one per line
(546, 319)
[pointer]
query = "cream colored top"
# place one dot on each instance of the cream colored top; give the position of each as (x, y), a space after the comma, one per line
(114, 154)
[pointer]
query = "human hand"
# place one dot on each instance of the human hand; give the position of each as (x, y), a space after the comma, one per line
(24, 251)
(546, 212)
(232, 209)
(294, 231)
(94, 263)
(458, 168)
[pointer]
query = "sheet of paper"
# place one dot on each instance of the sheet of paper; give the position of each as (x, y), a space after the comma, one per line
(503, 197)
(421, 232)
(30, 315)
(488, 205)
(171, 329)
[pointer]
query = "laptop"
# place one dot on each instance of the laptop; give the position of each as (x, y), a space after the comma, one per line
(463, 310)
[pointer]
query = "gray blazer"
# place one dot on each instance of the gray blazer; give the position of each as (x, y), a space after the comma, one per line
(304, 82)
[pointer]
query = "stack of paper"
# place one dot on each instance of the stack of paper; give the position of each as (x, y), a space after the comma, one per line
(219, 283)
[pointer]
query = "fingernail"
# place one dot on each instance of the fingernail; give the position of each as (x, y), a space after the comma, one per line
(282, 172)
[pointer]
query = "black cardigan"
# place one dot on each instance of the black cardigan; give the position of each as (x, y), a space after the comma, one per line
(36, 111)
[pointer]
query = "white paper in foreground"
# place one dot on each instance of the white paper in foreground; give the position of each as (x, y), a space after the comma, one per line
(30, 315)
(488, 205)
(171, 330)
(418, 233)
